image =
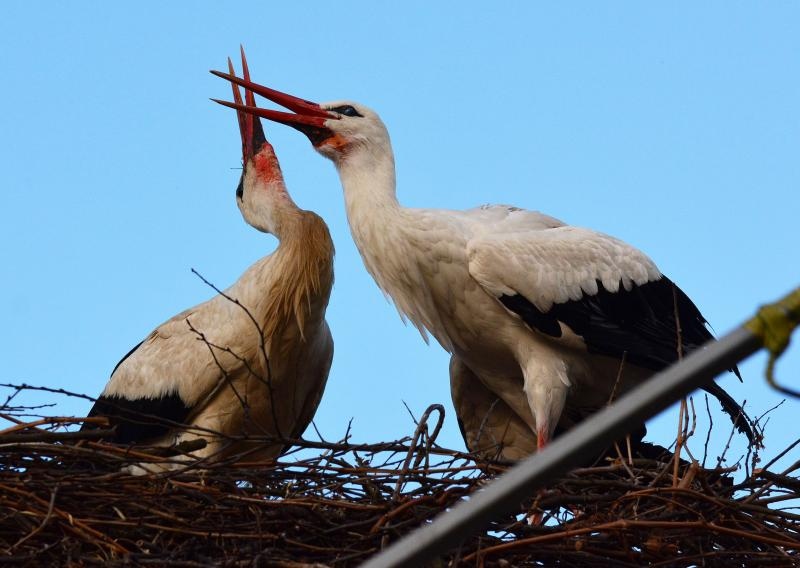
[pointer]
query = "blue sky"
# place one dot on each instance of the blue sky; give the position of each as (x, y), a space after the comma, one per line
(675, 128)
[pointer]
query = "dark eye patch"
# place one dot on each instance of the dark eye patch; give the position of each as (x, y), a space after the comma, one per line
(346, 110)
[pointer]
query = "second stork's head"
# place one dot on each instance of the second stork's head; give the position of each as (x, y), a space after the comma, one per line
(343, 131)
(261, 195)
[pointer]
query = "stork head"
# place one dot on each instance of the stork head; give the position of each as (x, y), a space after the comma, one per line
(261, 194)
(339, 130)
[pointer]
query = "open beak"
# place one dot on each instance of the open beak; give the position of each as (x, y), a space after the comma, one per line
(307, 117)
(249, 126)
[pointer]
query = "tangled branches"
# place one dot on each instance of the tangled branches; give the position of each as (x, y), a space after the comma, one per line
(64, 499)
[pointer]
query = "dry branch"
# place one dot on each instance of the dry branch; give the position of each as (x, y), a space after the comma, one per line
(65, 500)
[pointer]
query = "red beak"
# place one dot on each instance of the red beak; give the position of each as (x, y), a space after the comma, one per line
(249, 126)
(309, 119)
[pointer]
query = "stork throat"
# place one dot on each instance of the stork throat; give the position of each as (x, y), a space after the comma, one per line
(316, 134)
(267, 166)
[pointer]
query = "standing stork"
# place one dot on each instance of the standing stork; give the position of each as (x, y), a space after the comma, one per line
(254, 359)
(553, 319)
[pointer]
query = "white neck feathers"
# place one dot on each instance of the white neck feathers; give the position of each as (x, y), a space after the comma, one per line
(384, 233)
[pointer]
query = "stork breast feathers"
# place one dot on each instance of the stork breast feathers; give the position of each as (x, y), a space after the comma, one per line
(553, 266)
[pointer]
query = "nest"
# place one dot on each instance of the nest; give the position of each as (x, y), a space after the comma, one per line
(65, 500)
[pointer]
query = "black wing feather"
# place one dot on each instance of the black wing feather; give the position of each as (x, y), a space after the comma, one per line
(639, 324)
(141, 419)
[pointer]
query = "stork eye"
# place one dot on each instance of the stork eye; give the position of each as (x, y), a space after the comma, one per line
(346, 110)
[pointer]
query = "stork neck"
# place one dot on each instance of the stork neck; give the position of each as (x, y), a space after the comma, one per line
(305, 245)
(369, 191)
(262, 197)
(304, 261)
(289, 222)
(383, 231)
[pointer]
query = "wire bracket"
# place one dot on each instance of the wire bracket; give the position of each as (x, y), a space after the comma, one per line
(773, 324)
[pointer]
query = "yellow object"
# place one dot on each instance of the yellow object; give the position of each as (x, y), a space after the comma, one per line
(773, 325)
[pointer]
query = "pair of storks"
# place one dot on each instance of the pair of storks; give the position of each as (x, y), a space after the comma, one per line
(545, 322)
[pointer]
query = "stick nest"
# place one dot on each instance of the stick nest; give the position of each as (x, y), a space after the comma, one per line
(65, 500)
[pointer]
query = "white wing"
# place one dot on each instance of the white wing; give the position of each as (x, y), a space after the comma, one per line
(174, 360)
(555, 265)
(494, 219)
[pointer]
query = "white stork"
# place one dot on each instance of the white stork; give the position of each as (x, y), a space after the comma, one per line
(551, 318)
(251, 361)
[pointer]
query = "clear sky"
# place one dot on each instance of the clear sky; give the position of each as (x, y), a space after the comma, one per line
(674, 128)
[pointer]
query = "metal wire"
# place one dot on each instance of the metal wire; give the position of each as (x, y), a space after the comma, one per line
(613, 422)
